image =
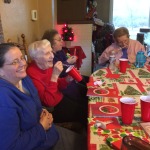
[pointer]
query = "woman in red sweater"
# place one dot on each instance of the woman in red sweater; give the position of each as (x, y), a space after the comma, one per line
(45, 77)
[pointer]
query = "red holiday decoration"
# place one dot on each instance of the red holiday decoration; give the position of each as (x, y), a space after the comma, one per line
(67, 33)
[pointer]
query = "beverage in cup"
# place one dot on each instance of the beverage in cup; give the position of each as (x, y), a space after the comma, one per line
(123, 64)
(73, 72)
(145, 108)
(127, 109)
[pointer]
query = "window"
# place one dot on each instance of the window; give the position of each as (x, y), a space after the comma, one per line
(133, 14)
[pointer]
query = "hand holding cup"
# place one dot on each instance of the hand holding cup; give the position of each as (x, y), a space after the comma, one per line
(72, 59)
(74, 73)
(57, 69)
(69, 78)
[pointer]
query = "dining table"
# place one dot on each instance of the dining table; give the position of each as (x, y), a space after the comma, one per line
(105, 88)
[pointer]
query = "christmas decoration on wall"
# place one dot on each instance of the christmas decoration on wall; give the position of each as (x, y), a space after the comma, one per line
(67, 33)
(91, 6)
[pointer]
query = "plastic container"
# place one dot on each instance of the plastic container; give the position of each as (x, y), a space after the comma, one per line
(140, 59)
(112, 60)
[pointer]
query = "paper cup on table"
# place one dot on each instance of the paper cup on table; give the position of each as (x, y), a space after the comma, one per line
(145, 108)
(127, 109)
(123, 64)
(72, 71)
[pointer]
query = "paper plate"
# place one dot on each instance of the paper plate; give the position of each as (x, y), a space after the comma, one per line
(108, 109)
(101, 91)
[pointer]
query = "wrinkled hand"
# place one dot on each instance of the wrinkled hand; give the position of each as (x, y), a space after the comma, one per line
(46, 119)
(71, 60)
(69, 78)
(57, 69)
(114, 51)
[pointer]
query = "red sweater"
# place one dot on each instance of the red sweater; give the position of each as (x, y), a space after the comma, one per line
(49, 92)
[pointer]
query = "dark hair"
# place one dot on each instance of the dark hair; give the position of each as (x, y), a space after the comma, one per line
(4, 48)
(120, 32)
(49, 35)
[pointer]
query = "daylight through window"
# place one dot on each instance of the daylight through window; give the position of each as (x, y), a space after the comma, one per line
(133, 14)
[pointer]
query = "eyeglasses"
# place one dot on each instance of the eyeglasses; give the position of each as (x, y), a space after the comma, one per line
(60, 39)
(17, 61)
(123, 42)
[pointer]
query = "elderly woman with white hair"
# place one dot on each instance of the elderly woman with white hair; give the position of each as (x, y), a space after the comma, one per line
(45, 77)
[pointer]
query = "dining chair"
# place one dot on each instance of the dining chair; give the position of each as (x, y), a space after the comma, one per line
(22, 46)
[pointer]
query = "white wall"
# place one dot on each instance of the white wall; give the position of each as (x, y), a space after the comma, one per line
(83, 38)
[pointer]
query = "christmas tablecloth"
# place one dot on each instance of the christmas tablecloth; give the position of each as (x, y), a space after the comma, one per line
(134, 83)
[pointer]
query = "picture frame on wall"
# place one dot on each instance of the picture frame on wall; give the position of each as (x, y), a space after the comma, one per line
(7, 1)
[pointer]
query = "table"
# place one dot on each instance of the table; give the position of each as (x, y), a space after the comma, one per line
(134, 83)
(78, 51)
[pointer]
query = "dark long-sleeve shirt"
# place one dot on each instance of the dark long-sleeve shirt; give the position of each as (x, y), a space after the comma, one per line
(61, 56)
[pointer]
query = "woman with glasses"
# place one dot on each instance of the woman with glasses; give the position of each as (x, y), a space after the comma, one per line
(24, 125)
(59, 55)
(75, 90)
(124, 47)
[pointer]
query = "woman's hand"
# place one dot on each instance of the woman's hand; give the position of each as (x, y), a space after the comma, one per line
(46, 119)
(114, 51)
(57, 69)
(71, 60)
(69, 78)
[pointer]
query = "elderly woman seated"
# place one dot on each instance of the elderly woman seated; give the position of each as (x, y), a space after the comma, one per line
(74, 89)
(24, 125)
(45, 77)
(124, 47)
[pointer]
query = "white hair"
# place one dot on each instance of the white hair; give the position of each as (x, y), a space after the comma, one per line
(37, 47)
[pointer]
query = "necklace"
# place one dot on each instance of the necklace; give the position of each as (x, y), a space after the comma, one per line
(19, 86)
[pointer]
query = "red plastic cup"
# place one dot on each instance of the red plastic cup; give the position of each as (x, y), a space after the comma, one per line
(145, 108)
(73, 72)
(123, 64)
(127, 109)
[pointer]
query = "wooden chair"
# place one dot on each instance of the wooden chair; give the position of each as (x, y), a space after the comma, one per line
(22, 47)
